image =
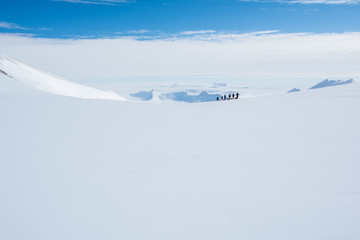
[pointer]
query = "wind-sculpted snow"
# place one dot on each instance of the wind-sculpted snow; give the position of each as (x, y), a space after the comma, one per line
(143, 95)
(1, 71)
(185, 97)
(50, 83)
(182, 96)
(330, 83)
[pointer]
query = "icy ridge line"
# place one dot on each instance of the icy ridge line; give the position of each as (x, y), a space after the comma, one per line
(326, 83)
(331, 83)
(50, 83)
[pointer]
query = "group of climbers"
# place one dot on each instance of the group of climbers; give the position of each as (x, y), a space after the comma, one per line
(231, 96)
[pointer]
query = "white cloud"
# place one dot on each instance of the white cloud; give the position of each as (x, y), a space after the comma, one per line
(102, 2)
(138, 31)
(30, 35)
(45, 29)
(197, 32)
(211, 35)
(258, 55)
(333, 2)
(8, 25)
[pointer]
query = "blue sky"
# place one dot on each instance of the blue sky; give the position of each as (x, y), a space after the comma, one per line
(112, 18)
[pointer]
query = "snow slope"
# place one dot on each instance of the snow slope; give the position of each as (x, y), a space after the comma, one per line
(50, 83)
(279, 167)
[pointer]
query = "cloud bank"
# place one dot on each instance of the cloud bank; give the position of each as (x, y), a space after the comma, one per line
(219, 56)
(8, 25)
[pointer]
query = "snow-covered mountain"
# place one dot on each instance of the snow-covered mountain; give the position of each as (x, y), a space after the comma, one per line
(294, 90)
(50, 83)
(331, 83)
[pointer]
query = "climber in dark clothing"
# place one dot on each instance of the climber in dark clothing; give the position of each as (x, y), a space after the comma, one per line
(237, 95)
(229, 96)
(233, 95)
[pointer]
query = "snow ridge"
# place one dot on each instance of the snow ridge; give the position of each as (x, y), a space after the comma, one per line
(294, 90)
(51, 83)
(143, 95)
(181, 96)
(330, 83)
(185, 97)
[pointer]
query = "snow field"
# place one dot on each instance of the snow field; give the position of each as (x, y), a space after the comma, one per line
(278, 167)
(50, 83)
